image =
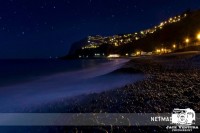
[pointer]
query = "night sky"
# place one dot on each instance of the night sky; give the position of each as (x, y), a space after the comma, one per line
(44, 28)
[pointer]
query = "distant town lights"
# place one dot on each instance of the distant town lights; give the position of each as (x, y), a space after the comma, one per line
(94, 42)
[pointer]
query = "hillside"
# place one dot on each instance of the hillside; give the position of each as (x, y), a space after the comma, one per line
(173, 31)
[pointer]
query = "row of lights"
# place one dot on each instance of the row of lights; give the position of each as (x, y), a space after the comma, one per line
(163, 50)
(114, 39)
(187, 40)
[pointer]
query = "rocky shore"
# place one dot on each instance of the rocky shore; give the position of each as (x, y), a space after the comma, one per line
(170, 82)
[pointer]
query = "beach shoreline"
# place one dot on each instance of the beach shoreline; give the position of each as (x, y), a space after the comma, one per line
(168, 84)
(171, 81)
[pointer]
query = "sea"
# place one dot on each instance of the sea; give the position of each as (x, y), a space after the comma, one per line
(28, 83)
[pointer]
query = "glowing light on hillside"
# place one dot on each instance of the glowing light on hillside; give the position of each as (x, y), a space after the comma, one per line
(161, 24)
(187, 40)
(174, 46)
(116, 44)
(158, 50)
(198, 36)
(138, 53)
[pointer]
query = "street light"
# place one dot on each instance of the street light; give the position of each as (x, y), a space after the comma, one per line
(158, 50)
(198, 36)
(174, 46)
(138, 53)
(187, 40)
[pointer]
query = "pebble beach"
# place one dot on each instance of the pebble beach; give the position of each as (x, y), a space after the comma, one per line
(171, 81)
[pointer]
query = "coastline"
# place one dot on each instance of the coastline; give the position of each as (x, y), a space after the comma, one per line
(171, 81)
(168, 84)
